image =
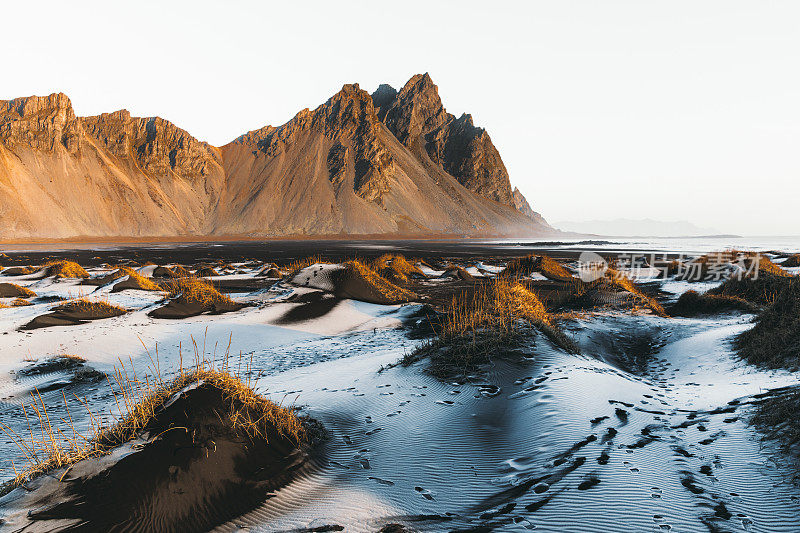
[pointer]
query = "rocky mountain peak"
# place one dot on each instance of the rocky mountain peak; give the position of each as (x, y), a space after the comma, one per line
(43, 122)
(156, 145)
(382, 98)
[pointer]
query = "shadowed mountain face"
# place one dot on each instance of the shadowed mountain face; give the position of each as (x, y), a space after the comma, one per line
(388, 163)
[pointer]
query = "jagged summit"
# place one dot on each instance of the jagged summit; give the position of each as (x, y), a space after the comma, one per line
(394, 162)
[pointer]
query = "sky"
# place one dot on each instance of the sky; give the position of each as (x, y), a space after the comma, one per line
(670, 110)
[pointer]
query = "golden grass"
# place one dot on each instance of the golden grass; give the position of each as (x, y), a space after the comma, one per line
(145, 283)
(295, 266)
(84, 305)
(193, 290)
(622, 282)
(763, 290)
(65, 269)
(543, 264)
(356, 269)
(51, 445)
(396, 267)
(692, 303)
(20, 302)
(486, 322)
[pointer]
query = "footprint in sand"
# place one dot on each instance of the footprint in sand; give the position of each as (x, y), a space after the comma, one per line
(589, 482)
(444, 402)
(661, 522)
(382, 481)
(655, 492)
(428, 495)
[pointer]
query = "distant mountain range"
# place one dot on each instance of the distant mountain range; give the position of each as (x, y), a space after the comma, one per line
(646, 227)
(390, 163)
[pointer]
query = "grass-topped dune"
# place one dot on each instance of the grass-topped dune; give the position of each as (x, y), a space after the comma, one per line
(692, 303)
(722, 265)
(12, 290)
(352, 279)
(774, 340)
(542, 264)
(193, 296)
(485, 322)
(183, 455)
(65, 269)
(73, 312)
(396, 268)
(762, 290)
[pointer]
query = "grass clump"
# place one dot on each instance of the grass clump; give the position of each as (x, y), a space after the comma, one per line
(141, 402)
(776, 417)
(762, 290)
(362, 283)
(141, 281)
(396, 268)
(543, 264)
(65, 269)
(196, 291)
(792, 261)
(84, 306)
(296, 266)
(774, 341)
(484, 322)
(616, 280)
(691, 303)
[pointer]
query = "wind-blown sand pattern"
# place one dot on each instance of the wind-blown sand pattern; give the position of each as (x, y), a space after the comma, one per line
(647, 428)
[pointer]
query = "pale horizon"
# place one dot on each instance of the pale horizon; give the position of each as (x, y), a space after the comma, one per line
(621, 110)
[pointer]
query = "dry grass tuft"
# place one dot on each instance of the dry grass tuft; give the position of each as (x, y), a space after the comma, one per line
(50, 446)
(774, 341)
(543, 264)
(20, 302)
(691, 303)
(792, 261)
(617, 280)
(296, 266)
(93, 307)
(396, 268)
(387, 290)
(144, 282)
(776, 417)
(65, 269)
(485, 322)
(762, 290)
(196, 291)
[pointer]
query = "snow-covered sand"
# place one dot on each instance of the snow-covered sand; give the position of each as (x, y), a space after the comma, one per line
(645, 431)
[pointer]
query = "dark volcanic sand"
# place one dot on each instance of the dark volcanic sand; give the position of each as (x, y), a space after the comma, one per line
(285, 251)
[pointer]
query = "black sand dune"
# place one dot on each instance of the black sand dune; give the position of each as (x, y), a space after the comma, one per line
(189, 472)
(70, 315)
(10, 290)
(181, 309)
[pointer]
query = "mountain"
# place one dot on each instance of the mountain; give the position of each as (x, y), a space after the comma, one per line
(624, 227)
(390, 163)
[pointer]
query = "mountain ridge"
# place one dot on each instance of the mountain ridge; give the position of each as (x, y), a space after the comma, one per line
(335, 170)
